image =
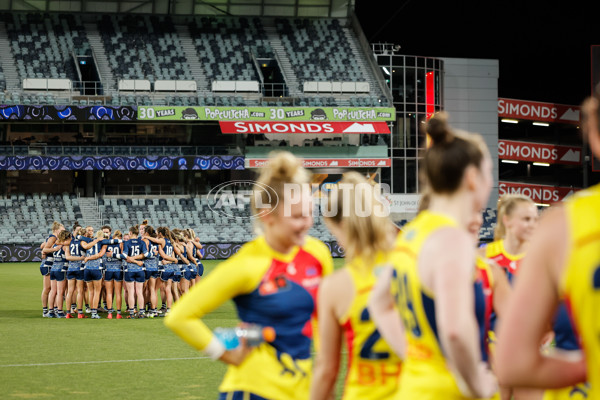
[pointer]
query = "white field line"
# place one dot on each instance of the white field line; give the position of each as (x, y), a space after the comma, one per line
(101, 362)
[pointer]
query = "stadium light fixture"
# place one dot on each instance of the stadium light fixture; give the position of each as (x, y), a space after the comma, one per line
(509, 161)
(541, 124)
(541, 164)
(509, 121)
(386, 70)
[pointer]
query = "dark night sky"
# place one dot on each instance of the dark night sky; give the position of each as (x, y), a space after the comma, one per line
(543, 47)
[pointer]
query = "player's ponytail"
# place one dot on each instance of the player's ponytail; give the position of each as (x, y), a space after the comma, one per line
(450, 154)
(56, 226)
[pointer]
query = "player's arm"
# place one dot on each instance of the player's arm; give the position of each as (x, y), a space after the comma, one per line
(228, 280)
(89, 244)
(97, 255)
(49, 246)
(327, 362)
(385, 314)
(165, 256)
(69, 257)
(190, 248)
(450, 253)
(530, 311)
(321, 252)
(180, 254)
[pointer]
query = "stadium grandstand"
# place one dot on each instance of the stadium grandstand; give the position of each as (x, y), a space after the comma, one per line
(115, 112)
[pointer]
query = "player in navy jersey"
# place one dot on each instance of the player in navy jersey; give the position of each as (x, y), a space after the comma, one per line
(74, 254)
(113, 275)
(182, 262)
(92, 273)
(191, 270)
(48, 259)
(166, 261)
(151, 265)
(198, 254)
(134, 250)
(58, 274)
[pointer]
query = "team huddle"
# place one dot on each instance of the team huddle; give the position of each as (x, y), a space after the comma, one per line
(85, 266)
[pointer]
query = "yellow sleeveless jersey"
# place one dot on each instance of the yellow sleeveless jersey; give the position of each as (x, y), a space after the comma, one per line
(425, 375)
(580, 282)
(373, 368)
(269, 289)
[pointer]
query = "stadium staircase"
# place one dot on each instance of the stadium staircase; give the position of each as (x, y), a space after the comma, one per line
(363, 64)
(7, 61)
(91, 212)
(187, 44)
(284, 61)
(106, 75)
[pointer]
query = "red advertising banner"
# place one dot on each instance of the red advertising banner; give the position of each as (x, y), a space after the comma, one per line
(538, 152)
(537, 111)
(303, 127)
(538, 193)
(328, 162)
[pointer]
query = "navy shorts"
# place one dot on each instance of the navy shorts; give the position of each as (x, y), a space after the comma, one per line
(113, 275)
(200, 269)
(151, 274)
(135, 276)
(44, 269)
(238, 395)
(90, 275)
(57, 275)
(188, 274)
(166, 275)
(75, 274)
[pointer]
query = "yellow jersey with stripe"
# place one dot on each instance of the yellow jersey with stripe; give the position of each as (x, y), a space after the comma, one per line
(425, 373)
(269, 289)
(580, 283)
(373, 368)
(510, 263)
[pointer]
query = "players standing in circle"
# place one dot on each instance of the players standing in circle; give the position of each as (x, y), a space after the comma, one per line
(562, 263)
(373, 368)
(46, 266)
(273, 281)
(517, 218)
(113, 275)
(75, 253)
(434, 259)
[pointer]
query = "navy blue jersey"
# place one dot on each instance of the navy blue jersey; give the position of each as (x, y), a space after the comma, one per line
(564, 335)
(75, 248)
(133, 248)
(115, 248)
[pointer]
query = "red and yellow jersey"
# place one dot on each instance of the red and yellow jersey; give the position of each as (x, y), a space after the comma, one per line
(425, 373)
(373, 368)
(268, 289)
(509, 262)
(580, 283)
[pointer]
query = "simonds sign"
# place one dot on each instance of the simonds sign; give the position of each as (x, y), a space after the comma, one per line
(537, 111)
(538, 152)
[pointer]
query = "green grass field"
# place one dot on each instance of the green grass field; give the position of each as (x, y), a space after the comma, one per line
(97, 359)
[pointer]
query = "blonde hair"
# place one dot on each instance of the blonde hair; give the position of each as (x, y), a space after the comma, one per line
(117, 234)
(506, 205)
(283, 168)
(178, 235)
(100, 234)
(56, 226)
(366, 235)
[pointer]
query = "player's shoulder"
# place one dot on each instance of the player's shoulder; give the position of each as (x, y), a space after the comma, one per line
(493, 248)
